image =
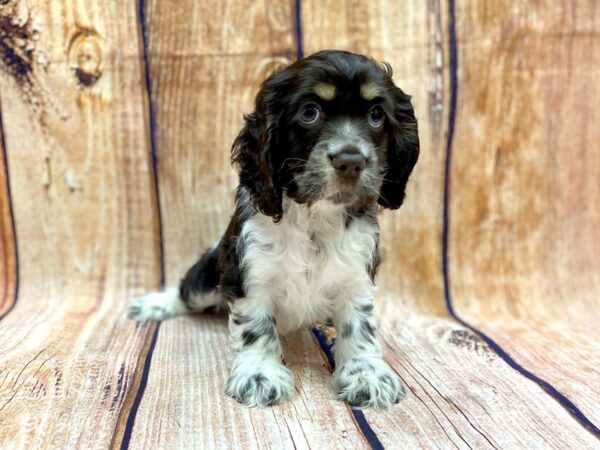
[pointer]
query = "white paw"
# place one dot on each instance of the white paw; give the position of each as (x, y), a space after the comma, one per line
(156, 306)
(368, 383)
(265, 384)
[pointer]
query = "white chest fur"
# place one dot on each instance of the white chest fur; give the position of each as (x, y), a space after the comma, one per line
(306, 266)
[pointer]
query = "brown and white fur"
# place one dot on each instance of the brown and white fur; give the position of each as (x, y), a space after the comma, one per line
(330, 141)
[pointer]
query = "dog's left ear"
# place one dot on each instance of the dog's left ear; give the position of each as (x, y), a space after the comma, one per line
(402, 152)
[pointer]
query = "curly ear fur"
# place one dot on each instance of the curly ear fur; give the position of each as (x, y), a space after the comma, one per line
(402, 153)
(254, 149)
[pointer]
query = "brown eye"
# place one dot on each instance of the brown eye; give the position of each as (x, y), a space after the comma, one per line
(376, 116)
(310, 113)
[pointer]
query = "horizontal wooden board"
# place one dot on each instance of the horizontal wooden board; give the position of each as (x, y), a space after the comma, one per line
(462, 394)
(185, 405)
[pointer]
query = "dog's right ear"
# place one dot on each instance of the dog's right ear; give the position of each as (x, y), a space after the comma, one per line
(255, 151)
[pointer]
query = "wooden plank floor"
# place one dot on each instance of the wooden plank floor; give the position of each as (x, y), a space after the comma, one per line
(115, 124)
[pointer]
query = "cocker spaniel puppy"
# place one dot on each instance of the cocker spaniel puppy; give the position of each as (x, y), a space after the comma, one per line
(330, 139)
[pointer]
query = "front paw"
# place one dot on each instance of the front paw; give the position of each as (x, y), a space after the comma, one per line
(368, 383)
(261, 384)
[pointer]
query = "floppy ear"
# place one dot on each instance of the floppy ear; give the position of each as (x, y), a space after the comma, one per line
(402, 152)
(254, 152)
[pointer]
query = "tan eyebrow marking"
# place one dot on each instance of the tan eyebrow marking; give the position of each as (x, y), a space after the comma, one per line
(369, 91)
(325, 91)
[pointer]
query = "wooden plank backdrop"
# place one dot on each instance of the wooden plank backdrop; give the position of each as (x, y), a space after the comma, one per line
(116, 120)
(76, 135)
(524, 215)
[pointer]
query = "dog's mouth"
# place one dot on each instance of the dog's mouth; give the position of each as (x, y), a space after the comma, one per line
(346, 193)
(363, 191)
(344, 197)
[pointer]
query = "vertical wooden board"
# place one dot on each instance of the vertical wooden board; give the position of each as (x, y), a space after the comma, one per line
(524, 212)
(8, 251)
(206, 62)
(525, 186)
(185, 406)
(409, 37)
(74, 116)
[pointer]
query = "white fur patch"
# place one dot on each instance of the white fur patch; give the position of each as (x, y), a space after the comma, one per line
(257, 380)
(258, 376)
(157, 306)
(368, 383)
(166, 304)
(201, 301)
(306, 266)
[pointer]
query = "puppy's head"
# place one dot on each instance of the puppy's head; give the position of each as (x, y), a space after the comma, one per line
(332, 126)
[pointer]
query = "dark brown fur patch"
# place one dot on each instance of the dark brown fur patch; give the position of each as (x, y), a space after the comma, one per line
(17, 43)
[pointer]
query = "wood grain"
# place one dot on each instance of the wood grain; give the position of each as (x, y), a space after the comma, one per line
(185, 406)
(462, 395)
(76, 134)
(8, 250)
(525, 215)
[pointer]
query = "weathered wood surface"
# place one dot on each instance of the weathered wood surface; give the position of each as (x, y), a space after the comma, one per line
(184, 405)
(85, 214)
(462, 395)
(525, 188)
(8, 256)
(524, 237)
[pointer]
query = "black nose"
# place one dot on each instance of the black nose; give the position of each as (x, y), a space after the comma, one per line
(349, 162)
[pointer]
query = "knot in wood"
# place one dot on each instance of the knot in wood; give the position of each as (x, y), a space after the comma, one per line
(85, 54)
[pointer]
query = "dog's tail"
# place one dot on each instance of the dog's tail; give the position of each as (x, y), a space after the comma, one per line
(196, 292)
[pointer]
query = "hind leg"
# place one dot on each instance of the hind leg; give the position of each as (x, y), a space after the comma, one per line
(197, 292)
(157, 306)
